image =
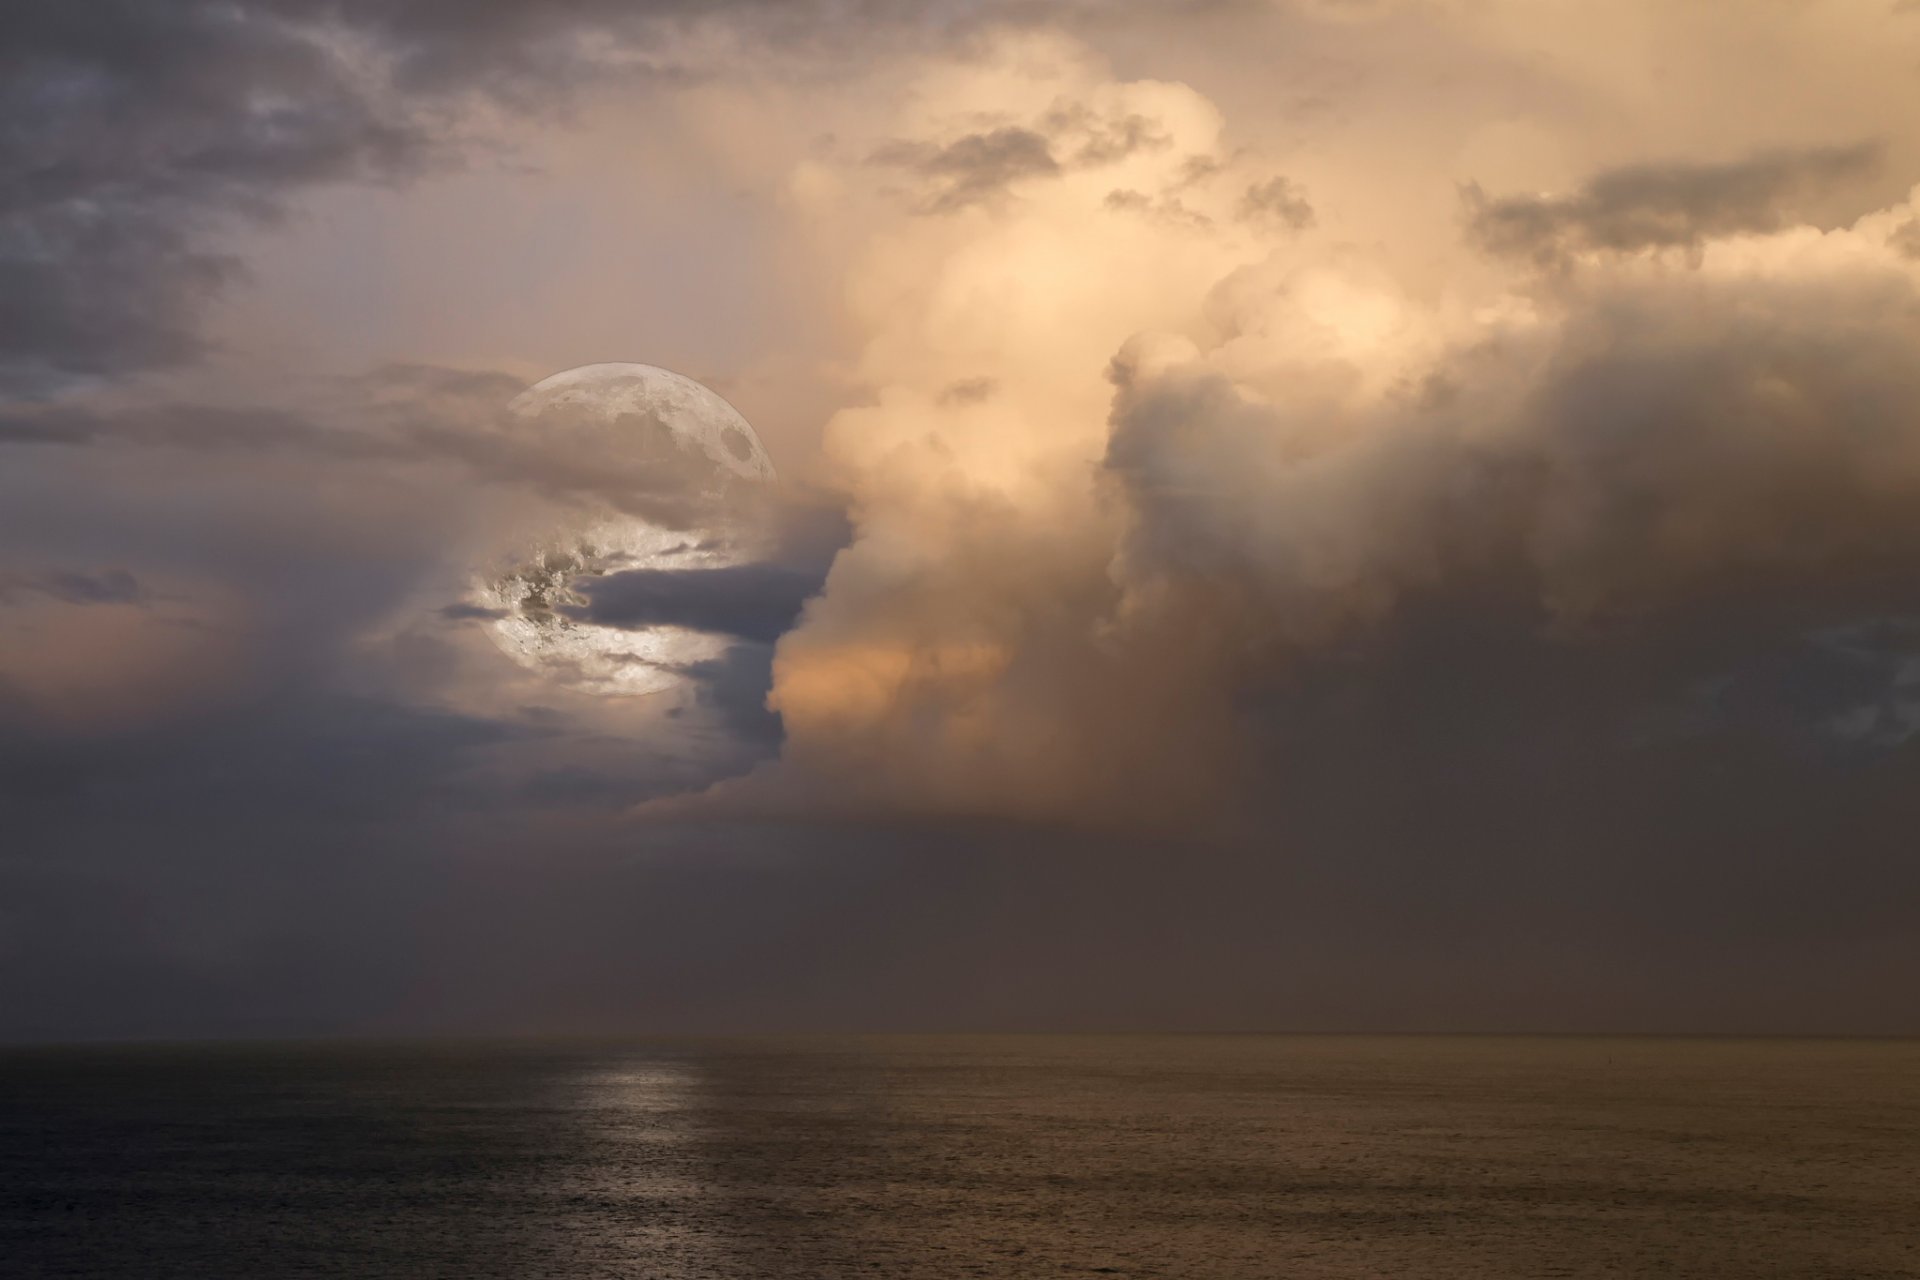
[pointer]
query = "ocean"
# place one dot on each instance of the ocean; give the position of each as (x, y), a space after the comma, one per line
(1216, 1157)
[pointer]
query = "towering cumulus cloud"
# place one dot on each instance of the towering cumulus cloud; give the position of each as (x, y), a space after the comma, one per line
(1143, 447)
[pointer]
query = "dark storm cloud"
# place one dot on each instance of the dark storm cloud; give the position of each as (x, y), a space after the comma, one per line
(752, 601)
(138, 131)
(133, 127)
(1663, 206)
(734, 687)
(141, 131)
(757, 601)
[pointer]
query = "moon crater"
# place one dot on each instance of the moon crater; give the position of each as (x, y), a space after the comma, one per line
(694, 462)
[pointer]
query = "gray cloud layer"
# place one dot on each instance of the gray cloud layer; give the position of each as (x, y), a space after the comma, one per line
(1665, 206)
(139, 130)
(981, 167)
(973, 168)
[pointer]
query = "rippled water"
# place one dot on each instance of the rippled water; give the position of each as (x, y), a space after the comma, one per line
(1017, 1157)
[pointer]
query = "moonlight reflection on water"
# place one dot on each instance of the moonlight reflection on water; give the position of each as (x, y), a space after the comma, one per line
(1454, 1158)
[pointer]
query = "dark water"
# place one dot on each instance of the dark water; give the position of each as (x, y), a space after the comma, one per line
(1280, 1157)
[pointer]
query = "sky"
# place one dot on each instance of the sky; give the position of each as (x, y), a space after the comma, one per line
(1293, 515)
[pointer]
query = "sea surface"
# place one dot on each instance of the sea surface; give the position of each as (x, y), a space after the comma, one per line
(966, 1156)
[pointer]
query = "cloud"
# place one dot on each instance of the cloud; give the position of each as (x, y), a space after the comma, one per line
(1906, 238)
(1650, 456)
(968, 391)
(734, 687)
(1237, 627)
(1280, 199)
(973, 168)
(70, 586)
(166, 125)
(1092, 140)
(162, 119)
(315, 759)
(751, 601)
(420, 416)
(982, 166)
(1665, 206)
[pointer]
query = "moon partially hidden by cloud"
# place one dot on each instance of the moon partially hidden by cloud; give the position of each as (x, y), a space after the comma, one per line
(693, 459)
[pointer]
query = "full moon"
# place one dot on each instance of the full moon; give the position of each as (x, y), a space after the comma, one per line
(690, 454)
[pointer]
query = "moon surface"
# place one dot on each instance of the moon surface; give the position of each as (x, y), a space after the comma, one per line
(689, 453)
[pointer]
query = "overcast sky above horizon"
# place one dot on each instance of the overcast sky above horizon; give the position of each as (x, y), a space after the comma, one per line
(1313, 514)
